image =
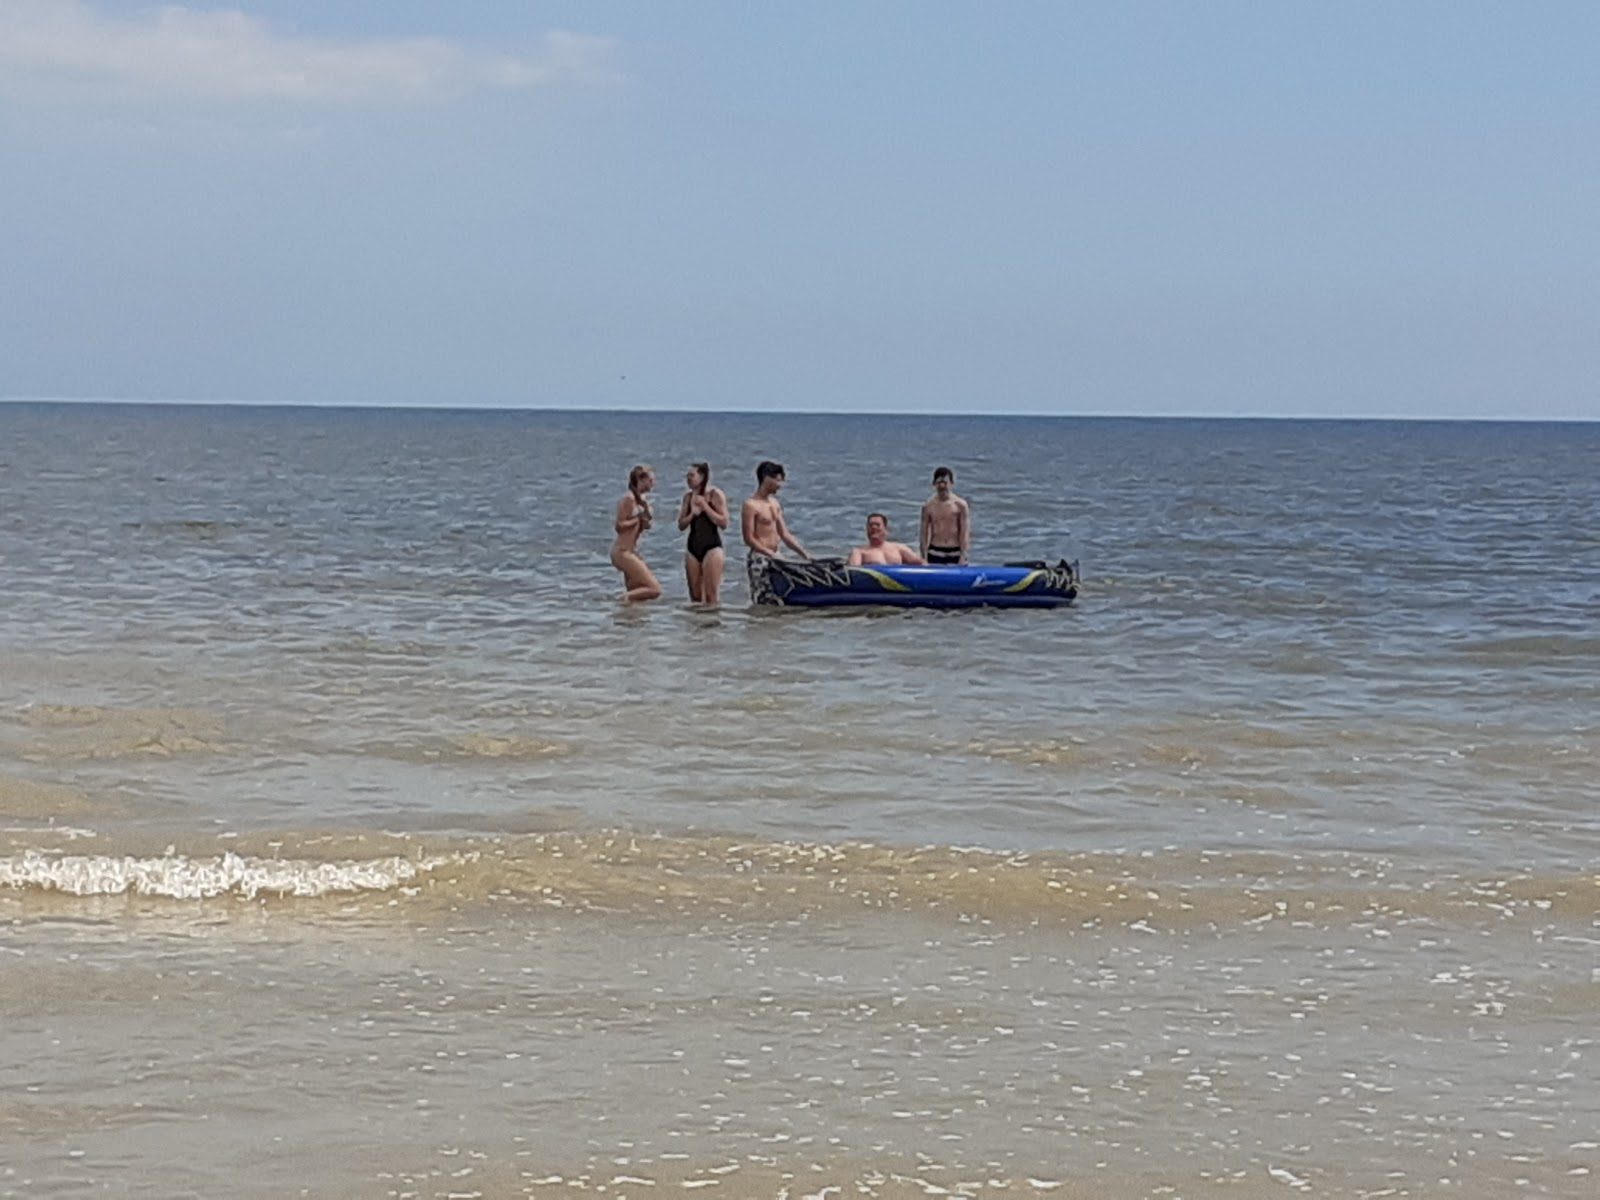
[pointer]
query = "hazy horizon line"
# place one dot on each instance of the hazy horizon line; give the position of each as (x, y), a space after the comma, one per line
(183, 402)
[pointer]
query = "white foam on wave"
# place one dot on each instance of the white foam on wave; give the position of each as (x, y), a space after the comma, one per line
(184, 878)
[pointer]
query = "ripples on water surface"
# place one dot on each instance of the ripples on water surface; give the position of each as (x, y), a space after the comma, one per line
(353, 840)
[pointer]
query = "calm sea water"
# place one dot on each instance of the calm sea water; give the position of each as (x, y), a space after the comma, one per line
(355, 842)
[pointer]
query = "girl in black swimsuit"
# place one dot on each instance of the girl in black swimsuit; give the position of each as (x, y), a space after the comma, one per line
(704, 513)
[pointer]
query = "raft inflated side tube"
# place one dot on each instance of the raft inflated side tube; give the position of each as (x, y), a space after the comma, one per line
(829, 582)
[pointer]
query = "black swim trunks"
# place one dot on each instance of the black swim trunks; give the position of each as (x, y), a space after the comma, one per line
(944, 556)
(704, 537)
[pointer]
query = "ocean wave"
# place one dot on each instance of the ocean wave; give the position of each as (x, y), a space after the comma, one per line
(763, 881)
(75, 732)
(465, 747)
(23, 798)
(360, 648)
(199, 528)
(1183, 747)
(511, 746)
(1532, 648)
(184, 878)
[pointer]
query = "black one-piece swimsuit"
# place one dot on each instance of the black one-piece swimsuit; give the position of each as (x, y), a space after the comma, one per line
(704, 536)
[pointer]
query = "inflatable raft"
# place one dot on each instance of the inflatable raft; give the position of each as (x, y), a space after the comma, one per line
(828, 582)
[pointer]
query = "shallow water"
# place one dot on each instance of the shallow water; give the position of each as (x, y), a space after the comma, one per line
(355, 842)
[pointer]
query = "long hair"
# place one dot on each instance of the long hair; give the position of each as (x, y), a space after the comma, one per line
(638, 473)
(705, 476)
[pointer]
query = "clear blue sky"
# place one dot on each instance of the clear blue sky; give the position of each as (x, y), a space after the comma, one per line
(1269, 208)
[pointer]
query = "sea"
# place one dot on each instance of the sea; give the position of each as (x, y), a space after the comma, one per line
(356, 841)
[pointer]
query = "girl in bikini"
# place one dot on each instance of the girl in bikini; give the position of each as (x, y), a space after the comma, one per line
(632, 519)
(704, 513)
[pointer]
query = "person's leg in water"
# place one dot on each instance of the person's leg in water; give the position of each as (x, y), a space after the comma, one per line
(711, 576)
(636, 576)
(693, 572)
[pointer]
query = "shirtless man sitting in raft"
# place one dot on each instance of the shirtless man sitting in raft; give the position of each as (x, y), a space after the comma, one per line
(761, 519)
(880, 551)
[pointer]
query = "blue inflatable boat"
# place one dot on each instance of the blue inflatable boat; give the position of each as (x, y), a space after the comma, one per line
(828, 582)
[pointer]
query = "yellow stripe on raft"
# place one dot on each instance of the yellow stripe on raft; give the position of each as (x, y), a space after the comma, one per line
(884, 581)
(1025, 582)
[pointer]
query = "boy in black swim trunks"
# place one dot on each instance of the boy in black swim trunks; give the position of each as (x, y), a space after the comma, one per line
(946, 522)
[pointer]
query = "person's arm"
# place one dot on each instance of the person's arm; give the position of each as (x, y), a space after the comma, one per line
(747, 524)
(628, 515)
(789, 539)
(910, 558)
(717, 508)
(855, 558)
(925, 533)
(685, 513)
(964, 517)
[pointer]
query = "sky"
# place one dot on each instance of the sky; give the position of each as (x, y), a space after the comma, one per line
(1134, 207)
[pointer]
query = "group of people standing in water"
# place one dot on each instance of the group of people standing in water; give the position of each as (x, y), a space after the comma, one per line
(704, 514)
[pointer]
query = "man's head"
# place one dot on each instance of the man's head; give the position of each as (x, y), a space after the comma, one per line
(769, 476)
(943, 480)
(877, 529)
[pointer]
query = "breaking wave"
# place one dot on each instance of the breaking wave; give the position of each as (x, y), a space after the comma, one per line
(734, 878)
(184, 878)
